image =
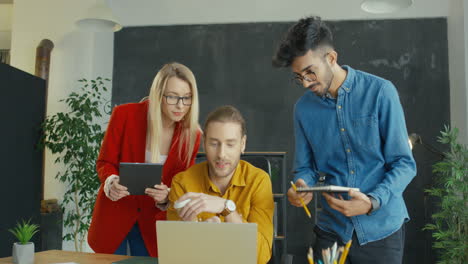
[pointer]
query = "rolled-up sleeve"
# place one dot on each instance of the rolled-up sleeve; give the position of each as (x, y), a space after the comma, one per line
(399, 161)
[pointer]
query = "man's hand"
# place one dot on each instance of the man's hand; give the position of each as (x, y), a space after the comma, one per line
(213, 219)
(359, 203)
(117, 191)
(200, 203)
(159, 193)
(295, 198)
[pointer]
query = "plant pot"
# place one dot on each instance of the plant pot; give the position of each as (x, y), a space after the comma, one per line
(23, 253)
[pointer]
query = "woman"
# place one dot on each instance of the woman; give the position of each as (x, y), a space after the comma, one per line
(163, 128)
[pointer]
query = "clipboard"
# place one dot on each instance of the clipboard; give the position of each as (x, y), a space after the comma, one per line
(326, 188)
(139, 176)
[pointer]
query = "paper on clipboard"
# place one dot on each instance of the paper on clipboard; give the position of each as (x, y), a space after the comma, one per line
(326, 188)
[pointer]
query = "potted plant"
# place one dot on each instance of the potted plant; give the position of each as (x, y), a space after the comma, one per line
(23, 250)
(75, 136)
(450, 227)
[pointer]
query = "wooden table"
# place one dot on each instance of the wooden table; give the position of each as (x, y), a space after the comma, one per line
(59, 256)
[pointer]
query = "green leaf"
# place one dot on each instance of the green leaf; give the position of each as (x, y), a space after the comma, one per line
(24, 231)
(450, 226)
(75, 137)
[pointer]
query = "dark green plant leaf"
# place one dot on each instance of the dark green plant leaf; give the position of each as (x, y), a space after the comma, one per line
(76, 137)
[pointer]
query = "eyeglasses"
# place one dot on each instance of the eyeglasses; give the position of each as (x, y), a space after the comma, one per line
(309, 76)
(174, 100)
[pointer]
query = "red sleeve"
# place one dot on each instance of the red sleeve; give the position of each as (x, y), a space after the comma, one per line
(109, 156)
(195, 149)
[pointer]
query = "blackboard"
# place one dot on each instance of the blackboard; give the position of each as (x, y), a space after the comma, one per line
(232, 64)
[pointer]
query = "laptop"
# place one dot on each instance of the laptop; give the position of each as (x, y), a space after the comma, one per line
(206, 243)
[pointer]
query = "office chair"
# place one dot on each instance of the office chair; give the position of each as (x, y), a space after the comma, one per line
(259, 162)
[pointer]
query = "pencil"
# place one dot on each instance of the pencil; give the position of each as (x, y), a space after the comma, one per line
(333, 252)
(345, 252)
(302, 201)
(326, 256)
(310, 256)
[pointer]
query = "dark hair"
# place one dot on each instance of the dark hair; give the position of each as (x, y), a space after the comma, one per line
(309, 33)
(224, 114)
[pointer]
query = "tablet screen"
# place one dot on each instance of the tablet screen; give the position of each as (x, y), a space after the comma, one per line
(139, 176)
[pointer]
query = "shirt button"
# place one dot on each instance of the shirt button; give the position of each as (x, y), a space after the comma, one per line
(339, 107)
(138, 210)
(348, 150)
(352, 172)
(342, 130)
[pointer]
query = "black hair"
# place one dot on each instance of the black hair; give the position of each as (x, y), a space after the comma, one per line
(307, 34)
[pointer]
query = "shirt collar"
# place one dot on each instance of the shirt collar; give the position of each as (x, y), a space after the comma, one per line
(236, 180)
(346, 86)
(349, 81)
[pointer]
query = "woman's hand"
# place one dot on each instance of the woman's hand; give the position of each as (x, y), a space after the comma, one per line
(159, 193)
(117, 191)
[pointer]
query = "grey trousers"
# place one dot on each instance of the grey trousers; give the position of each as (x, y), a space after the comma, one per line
(386, 251)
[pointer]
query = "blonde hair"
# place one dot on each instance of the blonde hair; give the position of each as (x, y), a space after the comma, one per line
(189, 123)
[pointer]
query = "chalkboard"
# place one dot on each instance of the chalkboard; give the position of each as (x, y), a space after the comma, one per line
(232, 64)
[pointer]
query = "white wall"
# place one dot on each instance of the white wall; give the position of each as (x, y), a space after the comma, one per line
(457, 41)
(6, 11)
(75, 55)
(78, 54)
(460, 108)
(168, 12)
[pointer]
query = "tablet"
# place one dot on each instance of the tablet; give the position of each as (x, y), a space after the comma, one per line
(139, 176)
(326, 188)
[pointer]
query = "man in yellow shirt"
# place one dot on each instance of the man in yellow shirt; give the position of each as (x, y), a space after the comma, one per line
(225, 188)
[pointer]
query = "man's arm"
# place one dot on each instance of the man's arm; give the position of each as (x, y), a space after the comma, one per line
(397, 153)
(261, 212)
(304, 161)
(398, 157)
(203, 203)
(176, 191)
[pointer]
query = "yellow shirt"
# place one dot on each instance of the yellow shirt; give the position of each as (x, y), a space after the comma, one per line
(250, 189)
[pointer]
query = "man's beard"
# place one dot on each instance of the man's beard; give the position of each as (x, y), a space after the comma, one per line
(327, 83)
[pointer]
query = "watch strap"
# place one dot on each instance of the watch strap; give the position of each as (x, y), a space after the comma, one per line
(226, 210)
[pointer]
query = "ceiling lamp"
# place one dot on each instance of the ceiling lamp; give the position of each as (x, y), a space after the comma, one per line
(99, 18)
(385, 6)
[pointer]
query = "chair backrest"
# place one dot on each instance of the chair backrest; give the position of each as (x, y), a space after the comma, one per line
(259, 162)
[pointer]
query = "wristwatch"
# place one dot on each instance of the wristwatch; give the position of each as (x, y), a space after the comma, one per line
(229, 207)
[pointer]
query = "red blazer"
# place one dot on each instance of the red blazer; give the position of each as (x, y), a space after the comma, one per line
(125, 141)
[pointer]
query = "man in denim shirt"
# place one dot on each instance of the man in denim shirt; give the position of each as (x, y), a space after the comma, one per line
(349, 125)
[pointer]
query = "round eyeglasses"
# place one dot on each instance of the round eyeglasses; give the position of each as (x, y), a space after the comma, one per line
(308, 76)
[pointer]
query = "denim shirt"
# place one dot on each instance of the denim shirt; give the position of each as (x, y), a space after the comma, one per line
(359, 140)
